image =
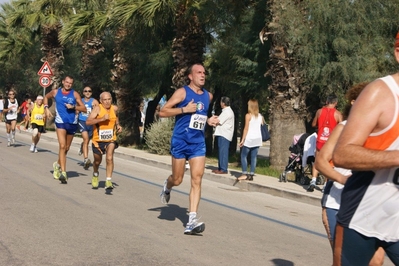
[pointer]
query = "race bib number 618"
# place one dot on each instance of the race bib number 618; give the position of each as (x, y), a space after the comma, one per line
(198, 122)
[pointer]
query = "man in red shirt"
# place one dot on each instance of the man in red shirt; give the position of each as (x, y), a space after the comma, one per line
(325, 120)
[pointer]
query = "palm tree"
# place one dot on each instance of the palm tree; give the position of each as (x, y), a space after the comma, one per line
(45, 18)
(189, 42)
(87, 27)
(17, 54)
(13, 42)
(288, 111)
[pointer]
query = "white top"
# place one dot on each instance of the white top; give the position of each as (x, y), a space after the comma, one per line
(333, 199)
(309, 148)
(254, 135)
(12, 113)
(225, 128)
(1, 104)
(142, 117)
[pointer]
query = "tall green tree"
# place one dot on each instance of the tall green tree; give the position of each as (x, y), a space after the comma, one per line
(88, 27)
(190, 21)
(45, 18)
(237, 63)
(319, 47)
(18, 57)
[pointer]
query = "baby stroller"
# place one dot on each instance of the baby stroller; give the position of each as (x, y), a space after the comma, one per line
(301, 160)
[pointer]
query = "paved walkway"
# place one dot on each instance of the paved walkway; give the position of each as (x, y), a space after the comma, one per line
(261, 183)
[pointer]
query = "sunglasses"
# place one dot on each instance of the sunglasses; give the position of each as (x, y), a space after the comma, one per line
(86, 91)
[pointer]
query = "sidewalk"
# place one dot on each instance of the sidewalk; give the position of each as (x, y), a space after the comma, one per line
(261, 183)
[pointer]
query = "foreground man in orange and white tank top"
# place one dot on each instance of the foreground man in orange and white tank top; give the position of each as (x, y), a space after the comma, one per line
(369, 145)
(104, 118)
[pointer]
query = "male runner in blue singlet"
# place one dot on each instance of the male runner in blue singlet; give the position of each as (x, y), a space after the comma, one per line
(85, 130)
(67, 102)
(190, 105)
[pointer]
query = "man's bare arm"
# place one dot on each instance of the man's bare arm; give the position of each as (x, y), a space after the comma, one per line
(324, 156)
(170, 109)
(372, 111)
(316, 117)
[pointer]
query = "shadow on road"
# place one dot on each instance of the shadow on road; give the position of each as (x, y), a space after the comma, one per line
(281, 262)
(172, 212)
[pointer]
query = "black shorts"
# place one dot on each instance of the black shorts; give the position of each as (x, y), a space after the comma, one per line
(9, 121)
(40, 129)
(102, 147)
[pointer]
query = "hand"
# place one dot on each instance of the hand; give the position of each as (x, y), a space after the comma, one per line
(69, 106)
(213, 120)
(191, 107)
(118, 129)
(241, 144)
(105, 117)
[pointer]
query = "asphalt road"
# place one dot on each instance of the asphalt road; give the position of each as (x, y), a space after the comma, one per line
(46, 223)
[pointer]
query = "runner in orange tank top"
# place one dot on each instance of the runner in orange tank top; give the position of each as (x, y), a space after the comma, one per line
(105, 121)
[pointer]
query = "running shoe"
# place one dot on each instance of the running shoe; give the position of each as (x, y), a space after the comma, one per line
(81, 149)
(56, 172)
(36, 150)
(63, 178)
(94, 181)
(165, 197)
(108, 184)
(13, 141)
(32, 148)
(311, 187)
(194, 227)
(8, 143)
(86, 164)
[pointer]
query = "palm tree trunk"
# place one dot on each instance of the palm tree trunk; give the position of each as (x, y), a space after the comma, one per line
(288, 111)
(53, 51)
(90, 48)
(188, 45)
(128, 99)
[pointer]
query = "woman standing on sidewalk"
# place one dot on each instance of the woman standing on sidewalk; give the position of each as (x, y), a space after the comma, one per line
(251, 139)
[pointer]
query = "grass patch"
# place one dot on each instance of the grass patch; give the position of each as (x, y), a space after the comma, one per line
(262, 165)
